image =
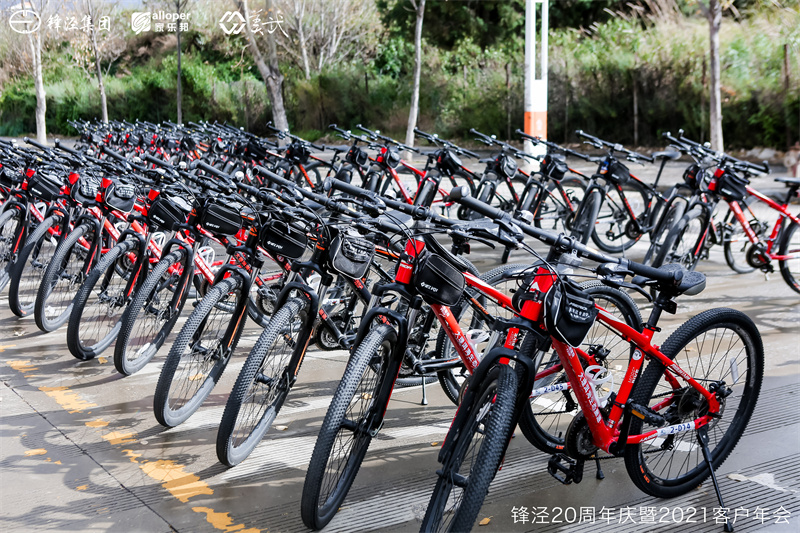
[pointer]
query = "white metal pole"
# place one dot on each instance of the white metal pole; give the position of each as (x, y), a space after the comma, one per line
(536, 82)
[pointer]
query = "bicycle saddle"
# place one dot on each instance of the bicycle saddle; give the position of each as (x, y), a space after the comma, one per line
(794, 181)
(666, 155)
(436, 247)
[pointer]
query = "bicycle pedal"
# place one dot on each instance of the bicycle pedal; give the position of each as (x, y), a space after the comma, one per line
(647, 414)
(571, 472)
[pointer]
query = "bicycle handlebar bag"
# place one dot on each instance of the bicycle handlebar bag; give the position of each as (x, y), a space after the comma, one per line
(222, 218)
(506, 165)
(44, 186)
(357, 156)
(437, 281)
(120, 196)
(569, 312)
(731, 186)
(298, 152)
(9, 178)
(351, 254)
(618, 172)
(168, 212)
(280, 238)
(85, 190)
(448, 161)
(392, 158)
(554, 167)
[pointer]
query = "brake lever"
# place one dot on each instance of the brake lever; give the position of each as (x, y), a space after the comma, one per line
(471, 237)
(618, 282)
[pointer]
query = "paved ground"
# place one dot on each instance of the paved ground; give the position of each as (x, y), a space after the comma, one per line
(81, 451)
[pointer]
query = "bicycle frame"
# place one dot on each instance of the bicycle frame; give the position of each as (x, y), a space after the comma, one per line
(783, 211)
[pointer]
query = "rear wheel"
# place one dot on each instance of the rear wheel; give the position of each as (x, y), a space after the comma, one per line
(557, 209)
(614, 230)
(722, 350)
(28, 270)
(347, 430)
(790, 246)
(475, 457)
(736, 243)
(200, 354)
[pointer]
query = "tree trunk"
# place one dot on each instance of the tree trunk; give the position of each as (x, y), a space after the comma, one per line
(180, 91)
(787, 84)
(35, 40)
(635, 111)
(269, 72)
(103, 102)
(413, 112)
(714, 15)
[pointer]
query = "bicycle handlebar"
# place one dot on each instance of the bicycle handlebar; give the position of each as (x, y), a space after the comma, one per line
(462, 195)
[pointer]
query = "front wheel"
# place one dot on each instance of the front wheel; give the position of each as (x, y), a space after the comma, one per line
(347, 430)
(10, 234)
(152, 314)
(100, 302)
(62, 278)
(263, 383)
(670, 219)
(722, 350)
(586, 216)
(685, 242)
(475, 457)
(200, 354)
(790, 248)
(27, 271)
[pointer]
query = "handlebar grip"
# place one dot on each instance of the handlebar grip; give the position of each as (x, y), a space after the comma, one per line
(159, 162)
(274, 178)
(36, 144)
(60, 146)
(347, 188)
(656, 274)
(211, 170)
(462, 196)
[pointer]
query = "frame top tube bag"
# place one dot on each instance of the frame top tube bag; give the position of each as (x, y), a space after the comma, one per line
(569, 312)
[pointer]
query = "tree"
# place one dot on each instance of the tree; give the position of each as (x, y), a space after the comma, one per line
(269, 69)
(712, 9)
(40, 7)
(321, 33)
(180, 5)
(413, 112)
(105, 46)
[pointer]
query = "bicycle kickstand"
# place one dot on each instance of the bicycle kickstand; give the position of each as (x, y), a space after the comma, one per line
(702, 438)
(599, 474)
(424, 391)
